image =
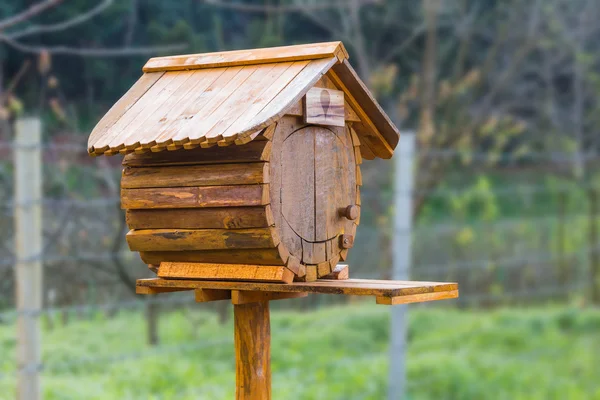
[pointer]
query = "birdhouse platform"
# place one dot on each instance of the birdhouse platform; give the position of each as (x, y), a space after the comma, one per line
(252, 331)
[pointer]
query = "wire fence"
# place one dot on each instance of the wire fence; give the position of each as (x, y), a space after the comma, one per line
(485, 236)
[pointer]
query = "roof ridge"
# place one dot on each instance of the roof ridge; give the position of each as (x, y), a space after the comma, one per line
(301, 52)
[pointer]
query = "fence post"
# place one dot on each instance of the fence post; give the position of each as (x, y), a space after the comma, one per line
(593, 245)
(28, 251)
(401, 251)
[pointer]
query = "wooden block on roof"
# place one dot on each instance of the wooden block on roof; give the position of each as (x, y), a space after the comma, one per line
(324, 107)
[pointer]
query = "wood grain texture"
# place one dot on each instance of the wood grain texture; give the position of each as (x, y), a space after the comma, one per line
(200, 239)
(195, 197)
(199, 218)
(244, 108)
(248, 57)
(298, 182)
(236, 272)
(251, 152)
(417, 298)
(324, 107)
(158, 290)
(159, 89)
(209, 295)
(382, 130)
(234, 256)
(247, 297)
(195, 175)
(340, 272)
(141, 86)
(353, 287)
(149, 133)
(252, 338)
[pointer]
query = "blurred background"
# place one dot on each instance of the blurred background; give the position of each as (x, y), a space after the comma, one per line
(502, 98)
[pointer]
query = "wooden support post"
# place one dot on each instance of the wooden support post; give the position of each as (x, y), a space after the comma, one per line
(28, 248)
(252, 351)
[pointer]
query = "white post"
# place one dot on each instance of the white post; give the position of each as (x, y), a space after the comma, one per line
(28, 250)
(401, 251)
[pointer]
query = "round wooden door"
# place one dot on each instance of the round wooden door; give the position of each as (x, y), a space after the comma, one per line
(318, 183)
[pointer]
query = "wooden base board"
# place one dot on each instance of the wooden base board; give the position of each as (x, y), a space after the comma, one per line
(385, 292)
(229, 272)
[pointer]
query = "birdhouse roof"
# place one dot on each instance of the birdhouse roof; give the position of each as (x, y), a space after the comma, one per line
(229, 97)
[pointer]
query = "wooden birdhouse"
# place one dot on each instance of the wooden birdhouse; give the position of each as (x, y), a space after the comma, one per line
(245, 165)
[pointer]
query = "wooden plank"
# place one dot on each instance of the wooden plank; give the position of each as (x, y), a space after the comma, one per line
(248, 57)
(132, 134)
(234, 256)
(214, 124)
(291, 94)
(158, 290)
(340, 272)
(236, 272)
(195, 128)
(298, 182)
(259, 101)
(252, 338)
(199, 218)
(139, 88)
(311, 273)
(159, 89)
(417, 298)
(147, 134)
(296, 110)
(233, 115)
(323, 269)
(209, 295)
(171, 112)
(293, 264)
(324, 107)
(195, 197)
(353, 287)
(247, 297)
(381, 129)
(217, 88)
(200, 239)
(195, 175)
(349, 114)
(251, 152)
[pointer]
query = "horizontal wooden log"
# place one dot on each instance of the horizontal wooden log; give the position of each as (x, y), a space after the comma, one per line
(195, 175)
(250, 152)
(195, 197)
(234, 256)
(229, 272)
(201, 239)
(200, 218)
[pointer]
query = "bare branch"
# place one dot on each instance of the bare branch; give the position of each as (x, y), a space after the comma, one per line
(61, 26)
(98, 52)
(28, 14)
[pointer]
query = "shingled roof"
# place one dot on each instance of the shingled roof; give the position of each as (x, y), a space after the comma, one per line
(224, 98)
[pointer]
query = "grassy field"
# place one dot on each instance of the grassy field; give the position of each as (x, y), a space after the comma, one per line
(334, 353)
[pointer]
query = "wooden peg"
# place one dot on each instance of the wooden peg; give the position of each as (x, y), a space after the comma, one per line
(351, 212)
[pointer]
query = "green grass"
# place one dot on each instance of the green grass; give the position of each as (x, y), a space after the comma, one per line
(334, 353)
